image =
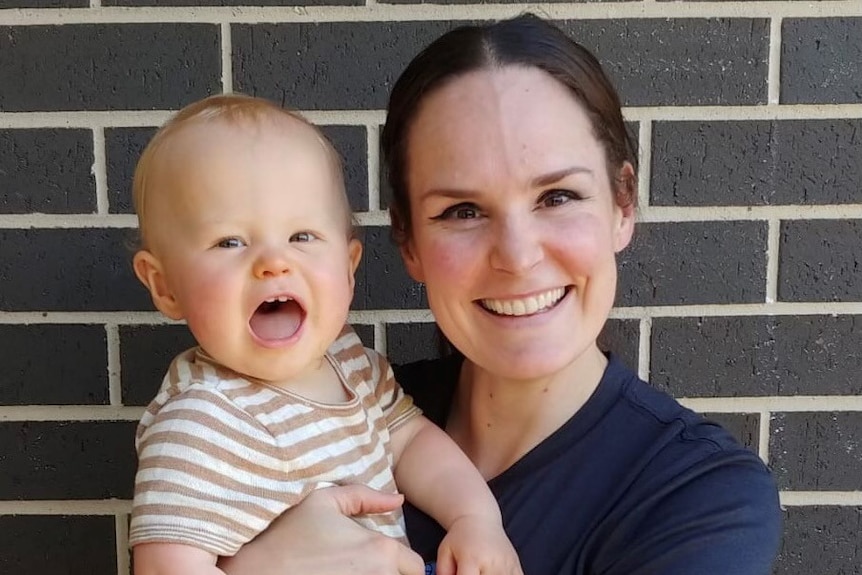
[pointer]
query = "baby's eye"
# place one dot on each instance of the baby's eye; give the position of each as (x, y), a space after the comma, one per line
(554, 198)
(463, 211)
(230, 243)
(302, 237)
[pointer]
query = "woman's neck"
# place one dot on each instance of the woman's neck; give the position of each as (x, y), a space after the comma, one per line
(497, 420)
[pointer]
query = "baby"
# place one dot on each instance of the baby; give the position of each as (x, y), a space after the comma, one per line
(247, 236)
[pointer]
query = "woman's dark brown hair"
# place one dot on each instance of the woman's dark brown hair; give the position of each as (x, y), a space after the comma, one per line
(528, 41)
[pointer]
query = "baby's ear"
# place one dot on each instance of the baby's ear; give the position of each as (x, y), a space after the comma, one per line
(354, 254)
(148, 268)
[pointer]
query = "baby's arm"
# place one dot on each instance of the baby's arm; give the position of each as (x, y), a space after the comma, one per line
(173, 559)
(436, 476)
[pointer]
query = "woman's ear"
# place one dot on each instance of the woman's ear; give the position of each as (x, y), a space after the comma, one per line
(411, 262)
(149, 270)
(625, 199)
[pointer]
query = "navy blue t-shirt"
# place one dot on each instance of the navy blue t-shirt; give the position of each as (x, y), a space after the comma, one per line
(632, 484)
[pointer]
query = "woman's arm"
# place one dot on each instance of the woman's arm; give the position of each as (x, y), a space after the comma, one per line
(722, 517)
(318, 537)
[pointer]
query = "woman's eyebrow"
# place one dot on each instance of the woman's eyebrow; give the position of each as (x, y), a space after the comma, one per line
(453, 193)
(557, 175)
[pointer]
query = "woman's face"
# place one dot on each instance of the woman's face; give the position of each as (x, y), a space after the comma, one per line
(515, 227)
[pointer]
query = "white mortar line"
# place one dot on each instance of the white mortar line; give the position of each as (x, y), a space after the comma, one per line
(373, 143)
(100, 171)
(763, 435)
(773, 239)
(644, 348)
(378, 218)
(774, 78)
(419, 12)
(226, 58)
(153, 118)
(115, 390)
(372, 317)
(774, 404)
(734, 113)
(736, 310)
(70, 413)
(121, 528)
(676, 214)
(811, 498)
(644, 161)
(380, 341)
(75, 507)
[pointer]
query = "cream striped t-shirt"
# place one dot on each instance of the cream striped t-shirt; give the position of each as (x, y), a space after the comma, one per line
(220, 457)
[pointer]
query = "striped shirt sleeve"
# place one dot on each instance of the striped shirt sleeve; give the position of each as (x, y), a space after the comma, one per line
(209, 475)
(397, 406)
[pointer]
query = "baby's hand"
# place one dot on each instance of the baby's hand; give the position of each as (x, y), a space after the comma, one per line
(477, 545)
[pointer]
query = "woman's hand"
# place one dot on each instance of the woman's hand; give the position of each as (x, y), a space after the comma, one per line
(318, 537)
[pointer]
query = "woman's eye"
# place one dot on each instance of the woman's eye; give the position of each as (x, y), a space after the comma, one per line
(459, 212)
(230, 243)
(556, 198)
(301, 237)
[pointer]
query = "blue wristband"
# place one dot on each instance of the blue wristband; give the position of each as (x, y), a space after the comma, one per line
(430, 569)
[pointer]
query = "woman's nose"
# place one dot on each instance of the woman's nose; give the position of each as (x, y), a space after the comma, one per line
(516, 245)
(271, 262)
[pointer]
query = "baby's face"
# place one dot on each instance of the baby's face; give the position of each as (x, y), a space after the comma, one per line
(248, 226)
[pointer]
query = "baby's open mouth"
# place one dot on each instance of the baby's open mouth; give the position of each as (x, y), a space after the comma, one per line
(277, 318)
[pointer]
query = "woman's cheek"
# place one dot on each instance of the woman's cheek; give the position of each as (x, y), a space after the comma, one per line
(447, 257)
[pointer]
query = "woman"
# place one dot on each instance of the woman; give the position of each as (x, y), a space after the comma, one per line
(514, 189)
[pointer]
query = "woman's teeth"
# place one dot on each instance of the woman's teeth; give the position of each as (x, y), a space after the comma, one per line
(525, 306)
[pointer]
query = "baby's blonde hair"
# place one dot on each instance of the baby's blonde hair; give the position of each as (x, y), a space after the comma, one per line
(232, 109)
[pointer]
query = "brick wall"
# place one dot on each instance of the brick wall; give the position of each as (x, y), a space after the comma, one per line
(742, 293)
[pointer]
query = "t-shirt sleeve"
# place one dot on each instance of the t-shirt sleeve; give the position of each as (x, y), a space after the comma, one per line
(722, 517)
(209, 475)
(397, 406)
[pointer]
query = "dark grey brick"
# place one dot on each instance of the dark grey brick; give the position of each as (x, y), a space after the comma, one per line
(821, 61)
(674, 61)
(756, 162)
(757, 356)
(821, 539)
(381, 280)
(46, 171)
(816, 451)
(123, 147)
(820, 260)
(108, 67)
(352, 143)
(406, 342)
(622, 337)
(232, 2)
(694, 263)
(67, 460)
(53, 364)
(68, 270)
(57, 544)
(366, 334)
(745, 427)
(146, 352)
